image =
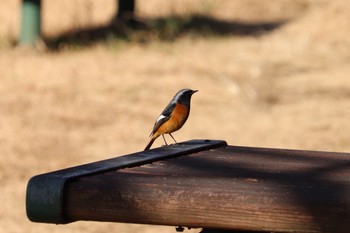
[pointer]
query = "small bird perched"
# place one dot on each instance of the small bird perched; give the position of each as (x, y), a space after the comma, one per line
(173, 116)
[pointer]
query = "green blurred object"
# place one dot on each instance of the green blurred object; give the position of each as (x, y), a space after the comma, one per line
(31, 21)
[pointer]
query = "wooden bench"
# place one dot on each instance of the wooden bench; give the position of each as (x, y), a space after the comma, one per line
(202, 183)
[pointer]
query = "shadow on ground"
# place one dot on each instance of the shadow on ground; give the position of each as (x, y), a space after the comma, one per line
(165, 29)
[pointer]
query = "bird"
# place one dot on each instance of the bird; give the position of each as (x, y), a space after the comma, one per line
(173, 116)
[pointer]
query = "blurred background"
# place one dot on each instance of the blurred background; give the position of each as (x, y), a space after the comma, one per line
(269, 74)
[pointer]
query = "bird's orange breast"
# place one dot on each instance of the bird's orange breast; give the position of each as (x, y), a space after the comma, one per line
(176, 121)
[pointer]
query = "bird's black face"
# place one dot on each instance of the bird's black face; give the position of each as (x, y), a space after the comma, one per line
(184, 95)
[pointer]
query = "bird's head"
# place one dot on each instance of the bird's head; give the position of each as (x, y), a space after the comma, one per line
(184, 96)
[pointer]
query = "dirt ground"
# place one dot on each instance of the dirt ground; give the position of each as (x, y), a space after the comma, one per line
(286, 88)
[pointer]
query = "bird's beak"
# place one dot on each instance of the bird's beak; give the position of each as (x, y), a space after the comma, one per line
(194, 91)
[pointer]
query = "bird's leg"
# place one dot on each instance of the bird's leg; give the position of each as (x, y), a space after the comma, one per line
(164, 140)
(173, 138)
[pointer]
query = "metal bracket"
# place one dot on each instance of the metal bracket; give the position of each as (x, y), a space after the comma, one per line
(44, 199)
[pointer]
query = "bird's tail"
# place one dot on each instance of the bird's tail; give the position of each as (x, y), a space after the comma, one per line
(149, 144)
(153, 138)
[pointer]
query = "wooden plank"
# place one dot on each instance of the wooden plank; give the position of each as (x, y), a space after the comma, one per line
(44, 198)
(238, 188)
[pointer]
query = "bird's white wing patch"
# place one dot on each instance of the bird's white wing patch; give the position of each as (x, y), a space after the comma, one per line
(160, 121)
(160, 118)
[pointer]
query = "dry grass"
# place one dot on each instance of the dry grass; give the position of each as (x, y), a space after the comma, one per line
(289, 88)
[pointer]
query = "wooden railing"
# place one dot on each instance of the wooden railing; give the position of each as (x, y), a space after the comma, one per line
(202, 183)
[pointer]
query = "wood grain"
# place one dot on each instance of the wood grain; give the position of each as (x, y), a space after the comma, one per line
(237, 188)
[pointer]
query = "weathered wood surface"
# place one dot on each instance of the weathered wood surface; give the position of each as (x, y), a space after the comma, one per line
(45, 192)
(229, 187)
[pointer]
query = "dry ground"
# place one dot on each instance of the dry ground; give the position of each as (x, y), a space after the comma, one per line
(289, 88)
